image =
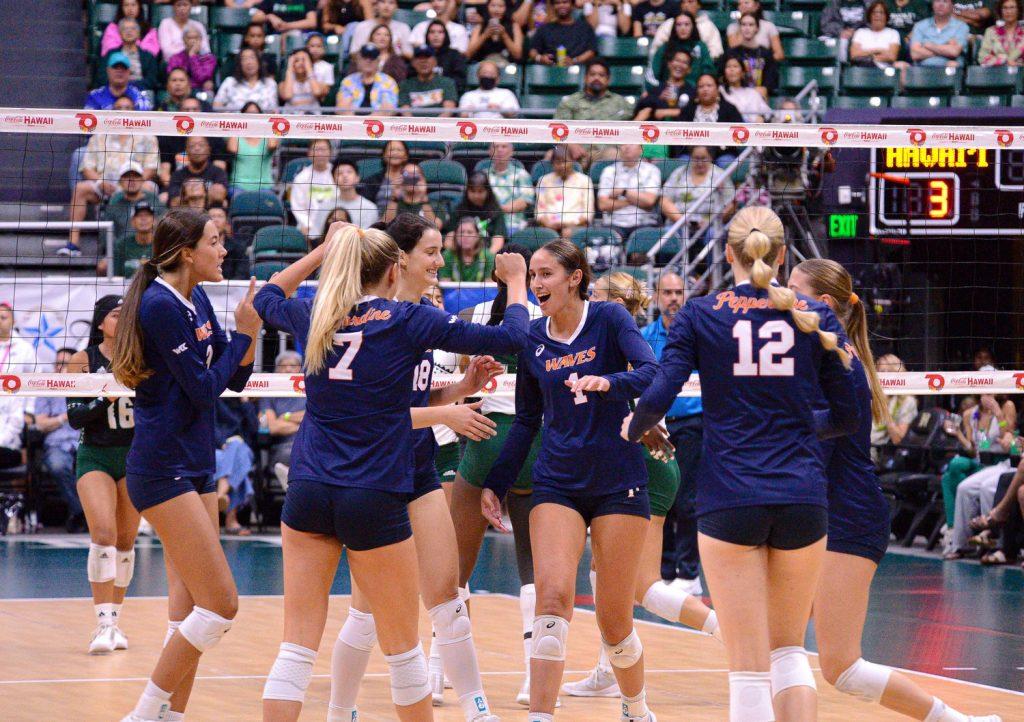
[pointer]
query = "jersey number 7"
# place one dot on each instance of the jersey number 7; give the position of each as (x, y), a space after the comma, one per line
(781, 335)
(342, 371)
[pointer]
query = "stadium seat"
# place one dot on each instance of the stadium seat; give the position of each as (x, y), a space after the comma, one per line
(793, 79)
(793, 23)
(920, 101)
(102, 15)
(1017, 101)
(668, 165)
(542, 167)
(999, 80)
(553, 80)
(596, 236)
(230, 20)
(921, 80)
(869, 81)
(292, 169)
(627, 80)
(410, 17)
(509, 77)
(426, 149)
(469, 154)
(358, 149)
(595, 171)
(540, 102)
(721, 19)
(637, 272)
(485, 165)
(253, 210)
(860, 102)
(278, 243)
(265, 269)
(642, 240)
(224, 46)
(369, 168)
(977, 101)
(807, 52)
(533, 238)
(623, 51)
(199, 12)
(444, 175)
(807, 5)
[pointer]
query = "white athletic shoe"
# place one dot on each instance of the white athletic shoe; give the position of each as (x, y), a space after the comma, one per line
(281, 472)
(103, 640)
(120, 639)
(599, 683)
(523, 697)
(486, 717)
(435, 675)
(649, 717)
(448, 683)
(690, 586)
(987, 718)
(145, 528)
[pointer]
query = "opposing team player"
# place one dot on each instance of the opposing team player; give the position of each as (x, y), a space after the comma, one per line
(348, 488)
(585, 361)
(858, 522)
(761, 496)
(668, 602)
(172, 351)
(106, 425)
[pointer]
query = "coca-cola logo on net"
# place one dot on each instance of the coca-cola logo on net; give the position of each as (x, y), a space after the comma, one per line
(649, 133)
(936, 382)
(916, 136)
(374, 128)
(298, 383)
(829, 136)
(467, 129)
(10, 384)
(279, 126)
(87, 122)
(184, 124)
(1004, 137)
(559, 131)
(740, 133)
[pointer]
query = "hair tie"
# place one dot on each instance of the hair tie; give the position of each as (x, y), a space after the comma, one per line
(854, 299)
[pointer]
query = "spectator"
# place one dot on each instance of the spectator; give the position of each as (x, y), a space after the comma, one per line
(172, 29)
(249, 84)
(488, 101)
(287, 17)
(17, 355)
(384, 13)
(389, 62)
(118, 86)
(445, 11)
(368, 87)
(840, 19)
(684, 37)
(975, 497)
(111, 39)
(338, 215)
(427, 89)
(59, 446)
(761, 69)
(394, 156)
(595, 101)
(1004, 44)
(903, 15)
(687, 184)
(480, 203)
(282, 416)
(877, 44)
(1007, 515)
(902, 409)
(121, 206)
(143, 68)
(200, 66)
(334, 16)
(135, 247)
(411, 197)
(976, 13)
(650, 15)
(300, 91)
(173, 154)
(450, 62)
(12, 425)
(511, 184)
(361, 211)
(708, 105)
(628, 191)
(767, 33)
(312, 194)
(233, 459)
(737, 89)
(198, 166)
(256, 38)
(193, 195)
(252, 169)
(563, 40)
(565, 196)
(939, 41)
(469, 262)
(219, 215)
(705, 28)
(983, 357)
(323, 70)
(607, 17)
(499, 39)
(107, 158)
(178, 88)
(666, 101)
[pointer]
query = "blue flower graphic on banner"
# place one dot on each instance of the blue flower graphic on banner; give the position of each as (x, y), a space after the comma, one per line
(44, 333)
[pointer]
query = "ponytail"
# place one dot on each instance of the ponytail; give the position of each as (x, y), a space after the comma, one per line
(627, 289)
(857, 330)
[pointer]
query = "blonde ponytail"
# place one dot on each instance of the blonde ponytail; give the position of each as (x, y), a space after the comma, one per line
(355, 260)
(756, 235)
(624, 287)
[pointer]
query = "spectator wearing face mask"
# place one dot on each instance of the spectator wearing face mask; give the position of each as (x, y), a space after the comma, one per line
(411, 197)
(488, 101)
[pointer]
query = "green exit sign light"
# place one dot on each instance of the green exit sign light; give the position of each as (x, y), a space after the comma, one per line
(842, 225)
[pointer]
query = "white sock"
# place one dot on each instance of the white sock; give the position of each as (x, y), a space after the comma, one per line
(942, 713)
(635, 707)
(173, 716)
(458, 659)
(348, 665)
(710, 624)
(750, 697)
(104, 614)
(541, 717)
(153, 704)
(527, 609)
(340, 714)
(116, 612)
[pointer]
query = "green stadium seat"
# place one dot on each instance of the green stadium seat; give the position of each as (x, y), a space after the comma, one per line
(861, 102)
(921, 80)
(533, 238)
(595, 171)
(977, 101)
(637, 272)
(278, 243)
(158, 12)
(721, 19)
(226, 45)
(710, 4)
(542, 167)
(292, 168)
(253, 204)
(869, 81)
(444, 175)
(642, 240)
(807, 5)
(332, 49)
(596, 236)
(540, 102)
(1017, 101)
(230, 20)
(806, 52)
(793, 79)
(999, 80)
(509, 77)
(920, 101)
(793, 23)
(265, 269)
(623, 51)
(369, 168)
(410, 17)
(627, 80)
(553, 80)
(668, 165)
(426, 149)
(102, 15)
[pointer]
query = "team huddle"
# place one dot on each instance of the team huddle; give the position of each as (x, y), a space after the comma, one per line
(791, 520)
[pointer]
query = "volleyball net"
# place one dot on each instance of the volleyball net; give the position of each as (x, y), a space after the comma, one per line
(926, 217)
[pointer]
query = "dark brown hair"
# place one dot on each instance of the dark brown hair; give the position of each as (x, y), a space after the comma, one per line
(571, 258)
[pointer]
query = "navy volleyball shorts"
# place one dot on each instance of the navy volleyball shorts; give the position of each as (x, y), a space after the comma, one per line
(146, 493)
(783, 526)
(858, 526)
(423, 483)
(631, 502)
(361, 519)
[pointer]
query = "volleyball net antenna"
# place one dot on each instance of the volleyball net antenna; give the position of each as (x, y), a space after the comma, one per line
(929, 219)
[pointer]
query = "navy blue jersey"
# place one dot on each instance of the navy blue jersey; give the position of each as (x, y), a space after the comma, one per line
(581, 449)
(424, 444)
(760, 377)
(192, 363)
(357, 430)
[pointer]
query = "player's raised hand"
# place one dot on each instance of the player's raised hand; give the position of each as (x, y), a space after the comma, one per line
(510, 268)
(481, 369)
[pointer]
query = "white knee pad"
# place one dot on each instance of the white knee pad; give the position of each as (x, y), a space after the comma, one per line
(102, 564)
(626, 653)
(451, 622)
(550, 633)
(790, 668)
(172, 627)
(125, 569)
(203, 628)
(750, 697)
(865, 680)
(290, 675)
(665, 601)
(359, 631)
(464, 593)
(409, 680)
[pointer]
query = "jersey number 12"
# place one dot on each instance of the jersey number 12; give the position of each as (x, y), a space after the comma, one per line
(768, 363)
(342, 371)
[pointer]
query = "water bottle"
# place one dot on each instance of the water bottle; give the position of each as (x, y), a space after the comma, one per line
(561, 55)
(264, 423)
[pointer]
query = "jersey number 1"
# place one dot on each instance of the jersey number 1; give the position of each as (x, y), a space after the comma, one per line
(342, 371)
(579, 397)
(781, 335)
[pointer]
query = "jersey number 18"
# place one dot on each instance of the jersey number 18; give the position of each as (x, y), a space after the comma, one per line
(768, 361)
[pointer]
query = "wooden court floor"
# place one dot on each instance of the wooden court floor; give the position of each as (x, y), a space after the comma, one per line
(46, 674)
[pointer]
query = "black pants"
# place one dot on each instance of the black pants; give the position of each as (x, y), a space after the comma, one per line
(679, 555)
(1010, 536)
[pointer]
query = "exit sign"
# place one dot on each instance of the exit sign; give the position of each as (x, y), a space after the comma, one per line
(842, 225)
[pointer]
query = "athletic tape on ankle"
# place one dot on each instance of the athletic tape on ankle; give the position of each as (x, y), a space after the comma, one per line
(451, 622)
(290, 675)
(203, 628)
(865, 680)
(409, 679)
(101, 564)
(665, 601)
(359, 631)
(790, 668)
(125, 569)
(626, 653)
(549, 636)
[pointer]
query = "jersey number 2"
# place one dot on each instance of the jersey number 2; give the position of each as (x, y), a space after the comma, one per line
(781, 335)
(342, 371)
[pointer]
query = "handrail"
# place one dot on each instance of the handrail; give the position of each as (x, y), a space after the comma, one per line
(102, 227)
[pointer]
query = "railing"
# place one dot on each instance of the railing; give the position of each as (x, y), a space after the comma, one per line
(103, 228)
